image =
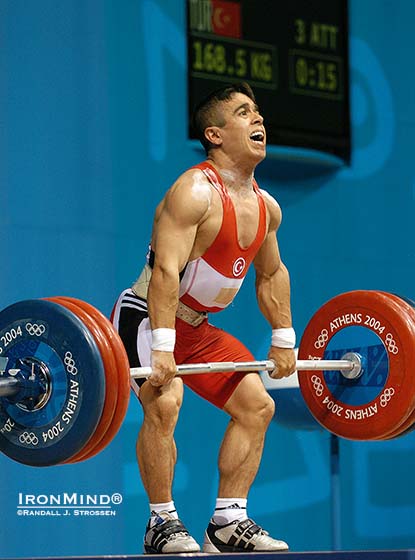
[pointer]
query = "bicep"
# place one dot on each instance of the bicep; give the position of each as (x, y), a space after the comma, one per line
(268, 260)
(177, 224)
(173, 241)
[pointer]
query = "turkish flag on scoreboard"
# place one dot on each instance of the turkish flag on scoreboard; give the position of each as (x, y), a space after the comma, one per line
(226, 18)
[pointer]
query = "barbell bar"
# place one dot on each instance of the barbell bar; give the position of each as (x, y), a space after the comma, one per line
(62, 402)
(9, 386)
(350, 366)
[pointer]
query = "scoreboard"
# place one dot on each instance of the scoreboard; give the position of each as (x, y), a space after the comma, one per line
(293, 53)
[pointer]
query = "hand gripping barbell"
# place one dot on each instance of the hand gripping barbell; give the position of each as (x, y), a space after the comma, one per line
(351, 366)
(65, 377)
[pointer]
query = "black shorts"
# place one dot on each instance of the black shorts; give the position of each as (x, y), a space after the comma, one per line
(128, 312)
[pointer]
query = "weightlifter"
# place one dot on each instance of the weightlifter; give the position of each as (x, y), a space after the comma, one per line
(212, 223)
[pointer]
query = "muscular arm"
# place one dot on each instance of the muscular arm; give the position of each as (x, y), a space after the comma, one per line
(273, 289)
(177, 219)
(273, 284)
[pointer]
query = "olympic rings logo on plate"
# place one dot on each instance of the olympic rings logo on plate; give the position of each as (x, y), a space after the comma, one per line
(70, 363)
(386, 396)
(322, 339)
(34, 329)
(317, 384)
(28, 438)
(391, 344)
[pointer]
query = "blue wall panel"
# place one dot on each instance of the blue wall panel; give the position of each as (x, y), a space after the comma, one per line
(92, 132)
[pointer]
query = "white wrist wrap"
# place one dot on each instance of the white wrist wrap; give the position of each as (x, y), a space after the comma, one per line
(163, 339)
(283, 338)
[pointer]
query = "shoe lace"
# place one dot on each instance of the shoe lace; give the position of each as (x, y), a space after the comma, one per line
(261, 532)
(179, 534)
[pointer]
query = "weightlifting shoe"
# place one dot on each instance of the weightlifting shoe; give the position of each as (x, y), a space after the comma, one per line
(240, 536)
(168, 535)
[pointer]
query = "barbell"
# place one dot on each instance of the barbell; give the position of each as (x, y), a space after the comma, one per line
(351, 366)
(65, 377)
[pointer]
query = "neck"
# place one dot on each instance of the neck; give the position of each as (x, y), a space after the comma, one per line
(234, 175)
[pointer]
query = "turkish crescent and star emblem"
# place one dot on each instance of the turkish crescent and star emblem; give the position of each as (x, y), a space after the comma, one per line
(239, 266)
(226, 18)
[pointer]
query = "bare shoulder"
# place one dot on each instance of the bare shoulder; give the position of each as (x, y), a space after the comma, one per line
(194, 184)
(189, 198)
(274, 210)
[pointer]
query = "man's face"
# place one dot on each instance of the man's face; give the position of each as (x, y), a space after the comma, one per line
(243, 134)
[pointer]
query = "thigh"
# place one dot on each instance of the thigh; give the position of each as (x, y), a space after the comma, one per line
(210, 344)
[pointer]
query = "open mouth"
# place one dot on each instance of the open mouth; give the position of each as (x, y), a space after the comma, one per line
(258, 137)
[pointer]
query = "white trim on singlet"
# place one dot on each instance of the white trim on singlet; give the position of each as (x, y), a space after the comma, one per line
(205, 284)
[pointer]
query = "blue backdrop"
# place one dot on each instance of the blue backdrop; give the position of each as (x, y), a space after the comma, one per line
(92, 132)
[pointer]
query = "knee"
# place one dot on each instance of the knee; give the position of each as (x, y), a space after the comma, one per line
(163, 411)
(260, 412)
(266, 410)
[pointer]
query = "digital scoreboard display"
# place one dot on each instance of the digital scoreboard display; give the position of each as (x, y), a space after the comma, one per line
(293, 53)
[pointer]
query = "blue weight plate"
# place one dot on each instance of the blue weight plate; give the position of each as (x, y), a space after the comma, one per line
(45, 332)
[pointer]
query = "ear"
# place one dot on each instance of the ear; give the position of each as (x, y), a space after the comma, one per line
(213, 135)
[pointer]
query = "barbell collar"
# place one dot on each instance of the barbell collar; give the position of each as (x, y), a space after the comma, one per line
(28, 385)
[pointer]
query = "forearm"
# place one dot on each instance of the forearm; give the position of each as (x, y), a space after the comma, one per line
(162, 302)
(273, 294)
(163, 297)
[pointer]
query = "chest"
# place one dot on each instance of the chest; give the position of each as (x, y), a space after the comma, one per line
(233, 222)
(246, 216)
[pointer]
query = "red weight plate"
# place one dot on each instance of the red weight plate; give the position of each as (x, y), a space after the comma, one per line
(123, 371)
(111, 388)
(410, 421)
(382, 331)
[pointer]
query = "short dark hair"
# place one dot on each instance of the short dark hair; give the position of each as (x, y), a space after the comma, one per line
(205, 113)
